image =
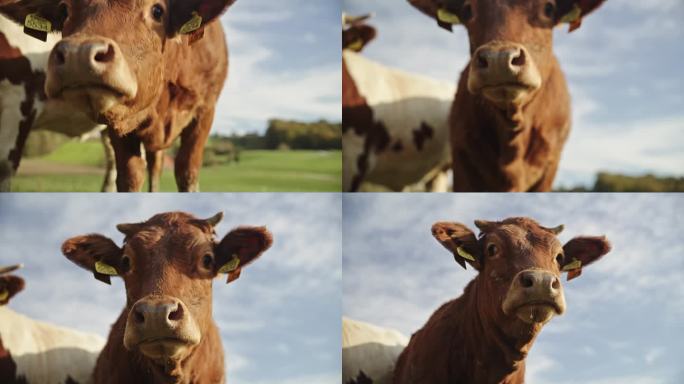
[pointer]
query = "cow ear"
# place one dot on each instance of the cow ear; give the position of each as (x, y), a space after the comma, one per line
(189, 17)
(573, 11)
(461, 241)
(582, 251)
(445, 12)
(39, 17)
(240, 247)
(96, 253)
(10, 286)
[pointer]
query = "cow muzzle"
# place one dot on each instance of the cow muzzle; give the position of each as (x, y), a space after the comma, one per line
(90, 72)
(161, 327)
(534, 296)
(504, 73)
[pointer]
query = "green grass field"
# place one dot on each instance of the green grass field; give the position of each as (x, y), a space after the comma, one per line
(79, 167)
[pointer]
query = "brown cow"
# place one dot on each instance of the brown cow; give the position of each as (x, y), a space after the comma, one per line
(485, 335)
(151, 70)
(511, 116)
(166, 333)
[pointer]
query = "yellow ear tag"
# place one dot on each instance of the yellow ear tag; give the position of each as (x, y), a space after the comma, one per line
(37, 23)
(447, 17)
(193, 24)
(230, 266)
(574, 264)
(4, 294)
(105, 269)
(356, 45)
(572, 16)
(461, 252)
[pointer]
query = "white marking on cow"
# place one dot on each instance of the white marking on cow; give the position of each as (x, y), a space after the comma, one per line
(403, 102)
(46, 353)
(370, 349)
(54, 117)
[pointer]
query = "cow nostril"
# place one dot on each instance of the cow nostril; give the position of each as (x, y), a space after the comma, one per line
(519, 59)
(105, 56)
(177, 314)
(482, 62)
(556, 283)
(526, 280)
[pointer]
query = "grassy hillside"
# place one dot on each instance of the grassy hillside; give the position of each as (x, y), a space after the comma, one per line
(78, 167)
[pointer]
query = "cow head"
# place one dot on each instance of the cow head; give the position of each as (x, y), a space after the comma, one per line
(110, 62)
(510, 41)
(356, 33)
(520, 264)
(10, 285)
(167, 264)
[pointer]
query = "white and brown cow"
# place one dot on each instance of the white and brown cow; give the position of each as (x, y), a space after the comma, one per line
(36, 352)
(369, 352)
(395, 124)
(23, 104)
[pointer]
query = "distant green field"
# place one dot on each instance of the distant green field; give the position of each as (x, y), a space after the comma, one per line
(78, 167)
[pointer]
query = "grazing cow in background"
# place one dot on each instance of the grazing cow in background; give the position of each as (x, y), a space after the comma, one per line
(369, 352)
(154, 81)
(166, 333)
(511, 116)
(485, 335)
(395, 124)
(35, 352)
(23, 108)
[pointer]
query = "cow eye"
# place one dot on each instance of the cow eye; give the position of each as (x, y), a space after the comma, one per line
(466, 13)
(549, 10)
(559, 259)
(62, 13)
(208, 261)
(157, 12)
(125, 264)
(492, 249)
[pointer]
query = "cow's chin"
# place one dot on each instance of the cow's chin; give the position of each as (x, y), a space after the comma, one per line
(166, 349)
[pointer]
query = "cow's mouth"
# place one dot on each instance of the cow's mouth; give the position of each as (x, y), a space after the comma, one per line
(538, 311)
(502, 95)
(165, 347)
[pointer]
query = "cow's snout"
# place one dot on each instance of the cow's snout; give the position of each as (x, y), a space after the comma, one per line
(90, 67)
(158, 313)
(535, 296)
(160, 326)
(503, 72)
(540, 283)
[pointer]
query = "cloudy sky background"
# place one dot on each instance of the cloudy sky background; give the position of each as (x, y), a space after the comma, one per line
(625, 317)
(284, 63)
(623, 67)
(280, 322)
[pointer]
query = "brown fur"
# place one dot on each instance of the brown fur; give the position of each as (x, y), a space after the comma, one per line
(470, 339)
(164, 256)
(517, 147)
(178, 82)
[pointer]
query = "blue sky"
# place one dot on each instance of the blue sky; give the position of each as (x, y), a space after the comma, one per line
(280, 322)
(625, 314)
(623, 67)
(284, 62)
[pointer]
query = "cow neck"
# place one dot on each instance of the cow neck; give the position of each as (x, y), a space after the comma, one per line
(506, 339)
(205, 360)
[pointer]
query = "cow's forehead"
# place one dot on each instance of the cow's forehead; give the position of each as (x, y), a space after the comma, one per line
(186, 236)
(527, 234)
